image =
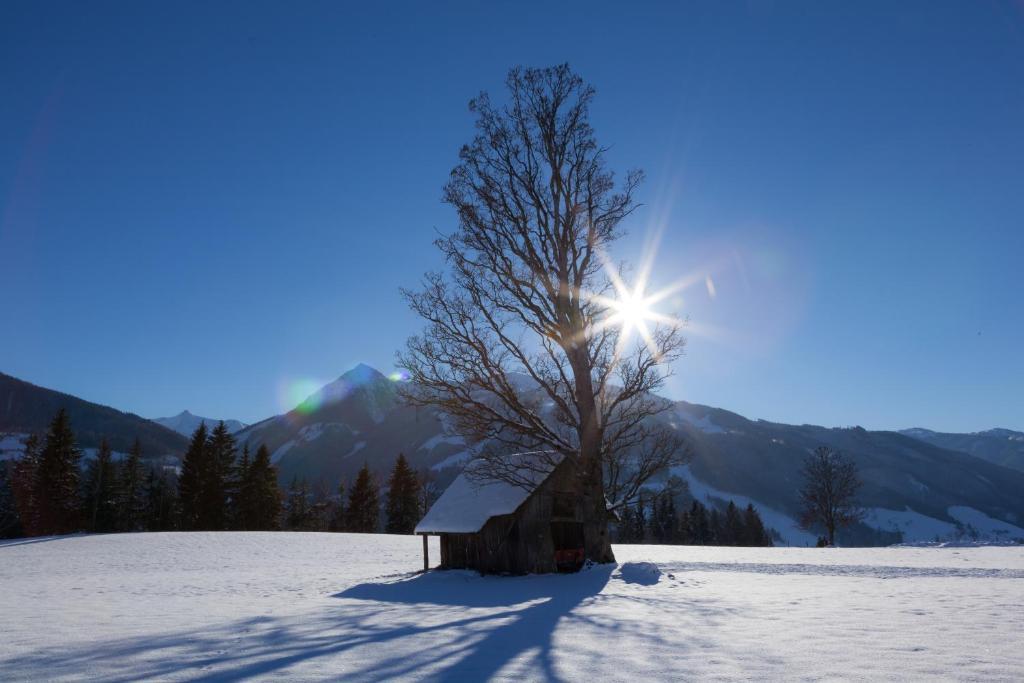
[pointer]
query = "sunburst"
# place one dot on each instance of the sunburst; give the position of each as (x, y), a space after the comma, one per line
(636, 311)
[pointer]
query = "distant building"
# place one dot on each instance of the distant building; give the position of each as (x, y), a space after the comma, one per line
(498, 528)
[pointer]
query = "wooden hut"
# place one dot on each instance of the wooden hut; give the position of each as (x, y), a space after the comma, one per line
(497, 528)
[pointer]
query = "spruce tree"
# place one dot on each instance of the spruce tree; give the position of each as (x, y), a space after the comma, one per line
(753, 527)
(263, 506)
(662, 525)
(338, 522)
(298, 512)
(23, 486)
(190, 482)
(716, 533)
(56, 492)
(100, 492)
(363, 504)
(243, 504)
(161, 512)
(403, 506)
(218, 486)
(132, 491)
(700, 524)
(684, 529)
(732, 526)
(10, 526)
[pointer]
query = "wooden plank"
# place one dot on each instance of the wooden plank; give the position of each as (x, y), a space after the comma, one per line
(426, 554)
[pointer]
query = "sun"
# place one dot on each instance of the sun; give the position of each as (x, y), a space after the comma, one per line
(631, 311)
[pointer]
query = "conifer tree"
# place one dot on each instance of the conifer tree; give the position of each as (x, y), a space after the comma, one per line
(753, 527)
(716, 533)
(100, 492)
(190, 482)
(321, 507)
(633, 525)
(23, 486)
(132, 491)
(732, 526)
(338, 522)
(403, 506)
(298, 511)
(161, 502)
(218, 485)
(243, 503)
(10, 527)
(662, 524)
(56, 492)
(700, 524)
(262, 510)
(684, 529)
(363, 504)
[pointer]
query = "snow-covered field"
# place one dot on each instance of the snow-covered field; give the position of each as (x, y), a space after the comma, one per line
(205, 606)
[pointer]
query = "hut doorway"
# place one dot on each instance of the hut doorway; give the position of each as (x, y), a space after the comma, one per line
(568, 541)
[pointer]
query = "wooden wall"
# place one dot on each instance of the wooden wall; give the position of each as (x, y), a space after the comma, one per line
(520, 543)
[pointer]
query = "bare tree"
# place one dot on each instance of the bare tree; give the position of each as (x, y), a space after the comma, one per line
(522, 349)
(830, 490)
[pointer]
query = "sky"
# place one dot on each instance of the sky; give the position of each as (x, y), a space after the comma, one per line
(213, 206)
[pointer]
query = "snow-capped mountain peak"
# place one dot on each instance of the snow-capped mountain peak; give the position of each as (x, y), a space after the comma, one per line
(186, 423)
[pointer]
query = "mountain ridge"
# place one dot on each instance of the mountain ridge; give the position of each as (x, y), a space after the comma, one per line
(185, 423)
(912, 486)
(26, 408)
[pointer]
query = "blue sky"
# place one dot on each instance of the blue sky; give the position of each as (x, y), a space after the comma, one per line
(204, 205)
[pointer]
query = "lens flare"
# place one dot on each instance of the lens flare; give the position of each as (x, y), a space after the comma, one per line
(301, 395)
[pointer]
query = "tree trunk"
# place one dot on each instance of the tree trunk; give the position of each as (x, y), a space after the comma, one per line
(597, 545)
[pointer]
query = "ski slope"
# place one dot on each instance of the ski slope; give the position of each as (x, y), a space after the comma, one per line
(293, 606)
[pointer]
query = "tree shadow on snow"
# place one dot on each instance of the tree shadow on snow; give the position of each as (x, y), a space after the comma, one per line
(523, 614)
(442, 625)
(13, 542)
(463, 627)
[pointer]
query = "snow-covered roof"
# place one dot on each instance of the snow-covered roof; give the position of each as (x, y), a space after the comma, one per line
(467, 504)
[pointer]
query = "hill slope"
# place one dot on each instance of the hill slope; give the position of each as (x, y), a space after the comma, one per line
(1000, 446)
(26, 408)
(910, 486)
(762, 460)
(355, 419)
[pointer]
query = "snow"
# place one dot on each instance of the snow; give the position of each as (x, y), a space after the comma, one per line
(788, 528)
(983, 525)
(454, 460)
(439, 439)
(12, 445)
(280, 451)
(467, 504)
(703, 423)
(360, 445)
(310, 606)
(916, 527)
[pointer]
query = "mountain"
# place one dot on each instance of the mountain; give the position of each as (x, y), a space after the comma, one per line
(910, 486)
(1000, 446)
(918, 485)
(355, 419)
(913, 490)
(26, 408)
(185, 423)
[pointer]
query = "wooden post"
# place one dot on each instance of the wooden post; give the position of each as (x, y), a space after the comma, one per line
(426, 554)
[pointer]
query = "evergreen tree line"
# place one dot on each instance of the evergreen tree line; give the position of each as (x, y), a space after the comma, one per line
(655, 520)
(46, 491)
(315, 509)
